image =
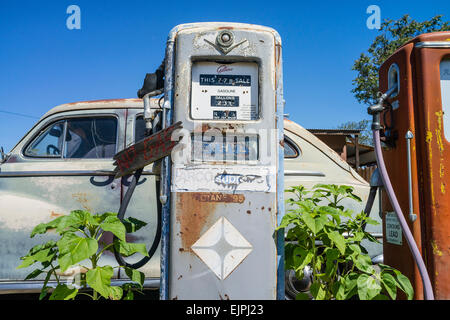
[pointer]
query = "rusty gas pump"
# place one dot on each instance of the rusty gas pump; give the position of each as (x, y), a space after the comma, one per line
(416, 122)
(222, 192)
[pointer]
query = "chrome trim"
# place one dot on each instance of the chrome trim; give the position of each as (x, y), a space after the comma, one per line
(14, 174)
(9, 287)
(433, 44)
(304, 173)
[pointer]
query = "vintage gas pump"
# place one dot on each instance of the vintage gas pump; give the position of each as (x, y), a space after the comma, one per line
(416, 150)
(222, 190)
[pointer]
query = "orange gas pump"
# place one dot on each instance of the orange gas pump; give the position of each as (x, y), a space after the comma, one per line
(416, 151)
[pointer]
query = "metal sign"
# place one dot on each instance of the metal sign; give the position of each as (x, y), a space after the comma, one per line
(393, 229)
(145, 151)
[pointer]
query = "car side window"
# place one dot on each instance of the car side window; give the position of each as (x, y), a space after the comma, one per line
(49, 143)
(90, 138)
(290, 149)
(84, 138)
(139, 129)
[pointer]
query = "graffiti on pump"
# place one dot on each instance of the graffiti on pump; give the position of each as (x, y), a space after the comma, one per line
(232, 181)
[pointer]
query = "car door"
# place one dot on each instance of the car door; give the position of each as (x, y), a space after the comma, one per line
(143, 204)
(64, 163)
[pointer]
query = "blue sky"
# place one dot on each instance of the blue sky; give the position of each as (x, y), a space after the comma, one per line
(44, 64)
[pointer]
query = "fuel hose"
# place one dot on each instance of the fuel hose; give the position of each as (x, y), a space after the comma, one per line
(428, 290)
(121, 215)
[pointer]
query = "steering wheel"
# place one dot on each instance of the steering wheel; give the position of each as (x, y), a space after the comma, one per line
(56, 151)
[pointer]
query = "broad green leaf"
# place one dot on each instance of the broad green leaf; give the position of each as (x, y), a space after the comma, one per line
(114, 225)
(368, 288)
(115, 293)
(26, 262)
(302, 296)
(334, 212)
(43, 227)
(133, 224)
(405, 285)
(33, 274)
(135, 276)
(331, 264)
(338, 240)
(363, 263)
(75, 220)
(339, 289)
(99, 279)
(63, 292)
(99, 218)
(40, 253)
(315, 224)
(302, 258)
(381, 297)
(127, 249)
(73, 249)
(389, 284)
(130, 288)
(317, 291)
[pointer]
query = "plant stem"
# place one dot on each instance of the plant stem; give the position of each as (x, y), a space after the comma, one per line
(94, 265)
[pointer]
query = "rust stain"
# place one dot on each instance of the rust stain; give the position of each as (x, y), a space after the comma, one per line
(282, 143)
(249, 212)
(81, 197)
(55, 214)
(192, 216)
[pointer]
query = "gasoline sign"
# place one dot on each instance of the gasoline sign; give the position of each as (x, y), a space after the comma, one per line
(224, 91)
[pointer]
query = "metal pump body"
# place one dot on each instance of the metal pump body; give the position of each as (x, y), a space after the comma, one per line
(224, 183)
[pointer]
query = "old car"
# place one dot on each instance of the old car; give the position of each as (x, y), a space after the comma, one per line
(65, 163)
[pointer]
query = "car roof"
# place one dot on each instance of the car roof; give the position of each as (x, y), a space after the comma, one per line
(101, 104)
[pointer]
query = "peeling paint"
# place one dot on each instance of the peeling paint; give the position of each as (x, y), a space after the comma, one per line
(436, 250)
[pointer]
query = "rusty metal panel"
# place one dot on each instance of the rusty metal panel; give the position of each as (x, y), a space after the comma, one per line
(418, 109)
(433, 159)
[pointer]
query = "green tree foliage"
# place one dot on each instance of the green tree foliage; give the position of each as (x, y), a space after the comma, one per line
(365, 136)
(393, 34)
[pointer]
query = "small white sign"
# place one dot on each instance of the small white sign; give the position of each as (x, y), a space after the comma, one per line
(224, 91)
(393, 229)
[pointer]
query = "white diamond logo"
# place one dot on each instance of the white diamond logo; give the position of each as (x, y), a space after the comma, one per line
(222, 248)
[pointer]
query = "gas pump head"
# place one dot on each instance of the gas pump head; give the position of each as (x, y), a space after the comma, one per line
(224, 184)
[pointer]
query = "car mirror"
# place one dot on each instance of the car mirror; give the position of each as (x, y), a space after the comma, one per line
(2, 155)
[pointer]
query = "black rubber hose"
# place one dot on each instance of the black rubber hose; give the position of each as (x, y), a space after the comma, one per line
(369, 204)
(121, 214)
